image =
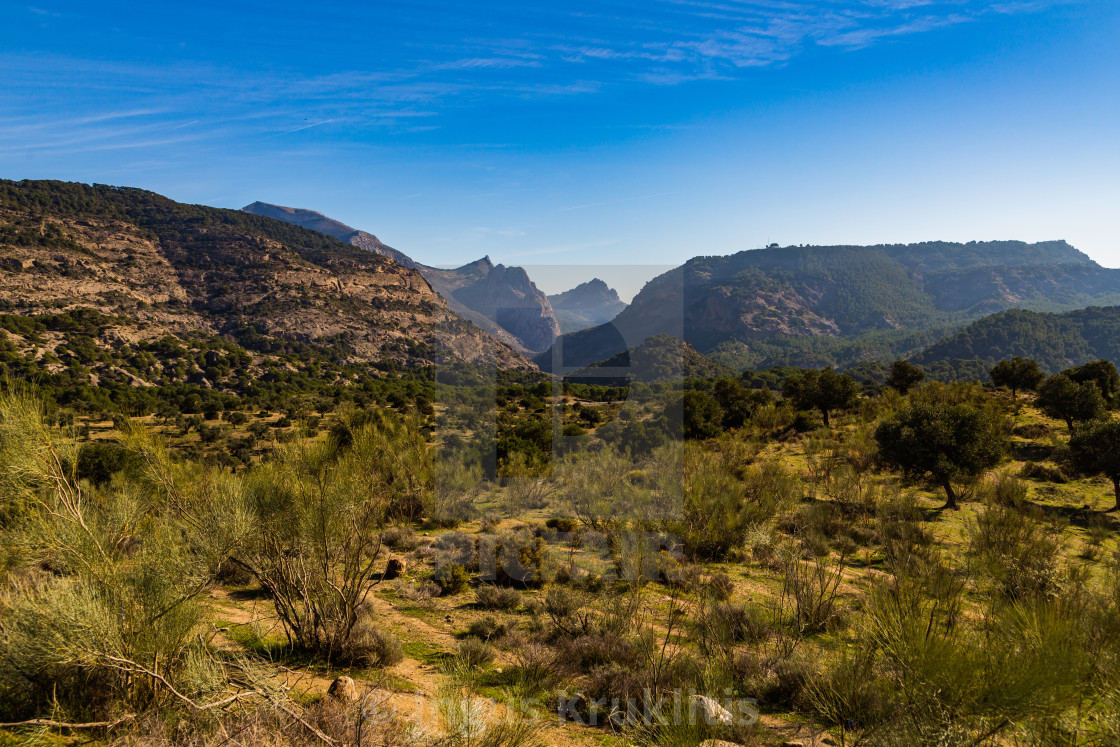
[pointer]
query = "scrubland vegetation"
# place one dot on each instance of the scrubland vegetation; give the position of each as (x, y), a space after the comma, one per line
(536, 562)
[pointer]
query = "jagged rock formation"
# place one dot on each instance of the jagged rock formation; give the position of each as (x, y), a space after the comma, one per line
(501, 300)
(164, 268)
(775, 300)
(587, 305)
(505, 296)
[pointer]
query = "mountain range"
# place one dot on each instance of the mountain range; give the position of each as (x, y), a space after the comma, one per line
(502, 300)
(839, 305)
(127, 267)
(165, 269)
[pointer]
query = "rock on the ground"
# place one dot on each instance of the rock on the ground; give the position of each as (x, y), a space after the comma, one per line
(395, 568)
(712, 711)
(343, 689)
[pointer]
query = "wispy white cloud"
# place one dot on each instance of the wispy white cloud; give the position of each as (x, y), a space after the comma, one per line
(308, 127)
(581, 49)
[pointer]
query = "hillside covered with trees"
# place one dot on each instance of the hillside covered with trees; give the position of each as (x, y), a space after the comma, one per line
(840, 305)
(1055, 340)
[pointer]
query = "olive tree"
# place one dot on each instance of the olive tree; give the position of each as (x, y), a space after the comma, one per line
(1017, 374)
(823, 390)
(1063, 398)
(904, 375)
(1100, 372)
(942, 441)
(1095, 449)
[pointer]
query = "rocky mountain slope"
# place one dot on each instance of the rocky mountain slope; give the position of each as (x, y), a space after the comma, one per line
(501, 300)
(160, 268)
(321, 223)
(505, 296)
(751, 305)
(587, 305)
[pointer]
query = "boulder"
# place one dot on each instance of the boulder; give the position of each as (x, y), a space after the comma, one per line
(343, 689)
(712, 711)
(395, 568)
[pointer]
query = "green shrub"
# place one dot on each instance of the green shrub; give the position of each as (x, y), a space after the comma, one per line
(720, 587)
(498, 598)
(742, 624)
(562, 525)
(1043, 472)
(487, 628)
(370, 646)
(400, 539)
(326, 500)
(1017, 551)
(475, 653)
(452, 578)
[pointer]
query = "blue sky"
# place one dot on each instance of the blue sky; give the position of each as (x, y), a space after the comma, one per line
(632, 133)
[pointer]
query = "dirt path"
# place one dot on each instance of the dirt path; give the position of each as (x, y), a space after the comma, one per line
(409, 689)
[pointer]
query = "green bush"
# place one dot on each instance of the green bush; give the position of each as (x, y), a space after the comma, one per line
(487, 628)
(371, 646)
(475, 653)
(452, 578)
(498, 598)
(1018, 553)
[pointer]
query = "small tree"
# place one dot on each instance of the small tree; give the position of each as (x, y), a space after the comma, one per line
(945, 442)
(1100, 372)
(1017, 374)
(1095, 448)
(1063, 398)
(702, 415)
(318, 511)
(904, 375)
(823, 390)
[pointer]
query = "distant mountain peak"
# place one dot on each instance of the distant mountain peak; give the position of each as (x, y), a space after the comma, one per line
(307, 218)
(316, 221)
(587, 305)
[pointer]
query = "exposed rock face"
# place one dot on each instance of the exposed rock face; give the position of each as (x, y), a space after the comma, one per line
(395, 568)
(587, 305)
(166, 268)
(500, 300)
(775, 296)
(507, 296)
(321, 223)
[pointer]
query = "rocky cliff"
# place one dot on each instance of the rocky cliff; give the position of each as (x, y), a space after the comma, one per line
(500, 300)
(164, 268)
